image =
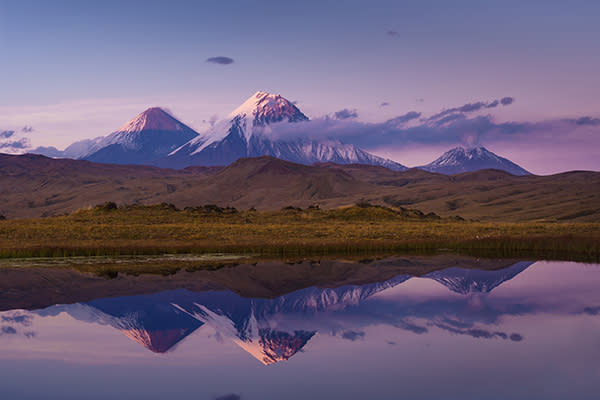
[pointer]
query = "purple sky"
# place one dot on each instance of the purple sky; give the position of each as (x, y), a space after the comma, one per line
(74, 70)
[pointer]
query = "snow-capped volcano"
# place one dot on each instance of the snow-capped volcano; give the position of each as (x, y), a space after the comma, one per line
(153, 119)
(461, 159)
(466, 281)
(264, 108)
(148, 137)
(244, 134)
(258, 111)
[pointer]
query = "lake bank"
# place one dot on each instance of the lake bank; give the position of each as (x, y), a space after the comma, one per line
(161, 229)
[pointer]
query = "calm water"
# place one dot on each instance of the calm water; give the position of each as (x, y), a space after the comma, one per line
(528, 331)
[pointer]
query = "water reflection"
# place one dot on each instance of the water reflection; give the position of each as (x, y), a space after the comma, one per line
(534, 308)
(273, 330)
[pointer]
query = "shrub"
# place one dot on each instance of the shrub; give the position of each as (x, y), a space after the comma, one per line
(109, 205)
(291, 208)
(168, 206)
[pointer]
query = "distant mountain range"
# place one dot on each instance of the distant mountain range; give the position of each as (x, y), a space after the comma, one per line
(156, 138)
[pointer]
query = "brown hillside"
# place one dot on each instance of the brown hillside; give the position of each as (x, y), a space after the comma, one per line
(32, 186)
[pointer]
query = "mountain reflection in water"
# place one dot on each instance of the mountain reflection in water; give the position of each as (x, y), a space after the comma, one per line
(274, 330)
(463, 306)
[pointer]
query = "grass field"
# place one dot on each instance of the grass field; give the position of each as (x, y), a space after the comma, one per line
(159, 229)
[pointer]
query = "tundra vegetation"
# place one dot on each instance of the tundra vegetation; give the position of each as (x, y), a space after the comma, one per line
(112, 230)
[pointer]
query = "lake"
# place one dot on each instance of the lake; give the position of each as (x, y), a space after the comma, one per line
(446, 327)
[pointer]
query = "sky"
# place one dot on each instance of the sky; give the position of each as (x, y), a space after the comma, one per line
(72, 70)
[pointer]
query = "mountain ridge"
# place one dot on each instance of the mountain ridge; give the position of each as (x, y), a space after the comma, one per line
(35, 185)
(253, 129)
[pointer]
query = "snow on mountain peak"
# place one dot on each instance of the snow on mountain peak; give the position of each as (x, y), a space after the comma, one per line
(454, 155)
(259, 110)
(151, 135)
(264, 108)
(154, 118)
(461, 159)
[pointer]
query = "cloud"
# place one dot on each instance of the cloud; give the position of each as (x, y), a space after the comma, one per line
(480, 333)
(419, 100)
(221, 60)
(27, 129)
(467, 108)
(20, 144)
(592, 310)
(419, 330)
(230, 396)
(587, 121)
(472, 107)
(6, 134)
(402, 119)
(10, 142)
(212, 120)
(516, 337)
(24, 320)
(392, 33)
(450, 118)
(384, 104)
(353, 335)
(8, 330)
(345, 114)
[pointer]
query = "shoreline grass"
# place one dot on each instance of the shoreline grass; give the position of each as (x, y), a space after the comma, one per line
(161, 229)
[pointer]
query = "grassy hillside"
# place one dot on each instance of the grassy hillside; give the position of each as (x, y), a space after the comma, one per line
(107, 230)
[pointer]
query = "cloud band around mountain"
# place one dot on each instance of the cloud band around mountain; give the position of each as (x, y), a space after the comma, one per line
(450, 128)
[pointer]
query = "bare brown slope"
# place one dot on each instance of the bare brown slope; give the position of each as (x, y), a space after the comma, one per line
(492, 194)
(32, 186)
(270, 183)
(485, 194)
